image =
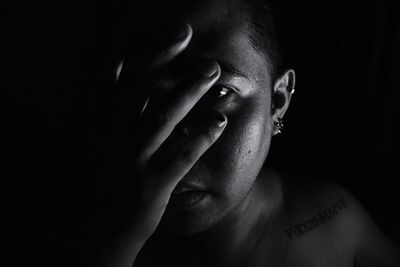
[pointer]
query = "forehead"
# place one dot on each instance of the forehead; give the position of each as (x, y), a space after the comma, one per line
(217, 12)
(220, 32)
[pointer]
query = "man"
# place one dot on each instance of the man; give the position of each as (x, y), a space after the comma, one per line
(199, 192)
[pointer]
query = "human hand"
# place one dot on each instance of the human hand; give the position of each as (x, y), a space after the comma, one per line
(162, 152)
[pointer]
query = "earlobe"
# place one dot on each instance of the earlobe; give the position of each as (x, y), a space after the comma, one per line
(278, 126)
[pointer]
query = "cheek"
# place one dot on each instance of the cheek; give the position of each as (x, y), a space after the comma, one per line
(243, 146)
(249, 130)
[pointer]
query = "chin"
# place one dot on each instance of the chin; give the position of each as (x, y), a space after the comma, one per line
(192, 220)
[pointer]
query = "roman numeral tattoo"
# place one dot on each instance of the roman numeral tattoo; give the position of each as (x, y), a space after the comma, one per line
(317, 220)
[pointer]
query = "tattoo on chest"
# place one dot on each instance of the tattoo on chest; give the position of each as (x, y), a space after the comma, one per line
(317, 220)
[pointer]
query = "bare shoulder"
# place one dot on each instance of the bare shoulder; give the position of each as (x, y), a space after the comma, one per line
(327, 222)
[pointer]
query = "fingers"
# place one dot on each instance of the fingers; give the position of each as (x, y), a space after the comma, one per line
(167, 54)
(160, 119)
(135, 80)
(158, 61)
(181, 151)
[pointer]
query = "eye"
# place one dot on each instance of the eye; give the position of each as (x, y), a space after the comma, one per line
(220, 91)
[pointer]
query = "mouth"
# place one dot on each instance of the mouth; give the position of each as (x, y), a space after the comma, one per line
(186, 197)
(184, 187)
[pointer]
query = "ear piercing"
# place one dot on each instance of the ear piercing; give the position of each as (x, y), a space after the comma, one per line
(279, 124)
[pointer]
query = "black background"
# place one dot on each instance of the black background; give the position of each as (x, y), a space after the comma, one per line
(342, 123)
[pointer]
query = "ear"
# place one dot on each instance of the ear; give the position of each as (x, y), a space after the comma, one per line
(283, 90)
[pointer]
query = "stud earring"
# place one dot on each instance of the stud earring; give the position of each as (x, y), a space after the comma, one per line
(279, 125)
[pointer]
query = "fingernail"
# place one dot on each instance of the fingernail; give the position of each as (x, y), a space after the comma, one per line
(182, 33)
(210, 70)
(221, 120)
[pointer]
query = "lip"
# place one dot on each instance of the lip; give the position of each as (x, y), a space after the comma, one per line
(184, 187)
(186, 200)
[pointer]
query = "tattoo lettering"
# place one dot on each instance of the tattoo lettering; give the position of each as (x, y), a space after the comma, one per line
(317, 220)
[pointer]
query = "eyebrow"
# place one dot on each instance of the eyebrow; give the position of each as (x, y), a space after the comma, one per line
(232, 70)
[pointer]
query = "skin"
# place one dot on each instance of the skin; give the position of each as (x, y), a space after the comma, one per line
(242, 220)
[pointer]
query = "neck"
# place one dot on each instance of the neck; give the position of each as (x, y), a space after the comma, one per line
(237, 235)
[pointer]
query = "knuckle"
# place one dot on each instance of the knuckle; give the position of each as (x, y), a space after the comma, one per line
(188, 154)
(191, 152)
(200, 86)
(163, 118)
(210, 135)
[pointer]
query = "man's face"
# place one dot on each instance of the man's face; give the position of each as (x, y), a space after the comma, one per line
(229, 168)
